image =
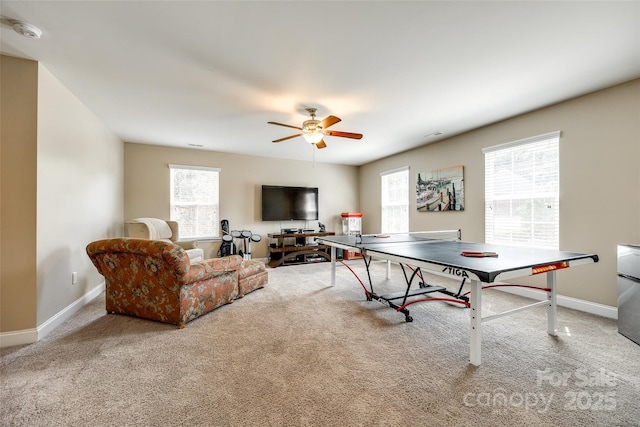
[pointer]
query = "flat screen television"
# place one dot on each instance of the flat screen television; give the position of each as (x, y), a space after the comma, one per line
(289, 203)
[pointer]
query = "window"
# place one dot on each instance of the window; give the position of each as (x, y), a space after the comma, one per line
(522, 192)
(195, 200)
(394, 201)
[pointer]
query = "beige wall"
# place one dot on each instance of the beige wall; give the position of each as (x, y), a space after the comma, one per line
(80, 194)
(62, 187)
(241, 177)
(599, 181)
(18, 177)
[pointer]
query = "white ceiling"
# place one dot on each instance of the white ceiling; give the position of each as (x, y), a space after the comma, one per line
(213, 73)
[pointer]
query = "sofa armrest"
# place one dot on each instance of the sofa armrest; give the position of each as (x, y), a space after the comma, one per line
(187, 244)
(138, 230)
(175, 237)
(213, 267)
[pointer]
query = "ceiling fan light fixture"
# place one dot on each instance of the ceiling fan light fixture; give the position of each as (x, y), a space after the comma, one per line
(313, 136)
(313, 131)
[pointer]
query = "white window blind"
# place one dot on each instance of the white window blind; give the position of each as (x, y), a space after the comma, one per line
(395, 200)
(195, 200)
(522, 192)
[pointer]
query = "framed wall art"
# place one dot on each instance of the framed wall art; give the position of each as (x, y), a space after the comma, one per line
(440, 190)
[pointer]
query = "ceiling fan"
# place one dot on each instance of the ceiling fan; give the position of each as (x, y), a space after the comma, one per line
(314, 130)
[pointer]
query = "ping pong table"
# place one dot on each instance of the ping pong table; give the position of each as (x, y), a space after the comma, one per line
(441, 253)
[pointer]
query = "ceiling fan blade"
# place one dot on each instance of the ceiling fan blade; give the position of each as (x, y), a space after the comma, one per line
(287, 137)
(329, 121)
(282, 124)
(321, 144)
(344, 134)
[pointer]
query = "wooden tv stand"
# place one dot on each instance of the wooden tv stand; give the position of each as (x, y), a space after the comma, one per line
(301, 252)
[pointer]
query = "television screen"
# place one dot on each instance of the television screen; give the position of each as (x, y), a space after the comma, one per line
(289, 203)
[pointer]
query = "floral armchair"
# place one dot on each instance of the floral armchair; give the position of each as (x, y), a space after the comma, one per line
(155, 279)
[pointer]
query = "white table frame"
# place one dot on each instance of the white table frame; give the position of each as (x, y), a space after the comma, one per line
(475, 315)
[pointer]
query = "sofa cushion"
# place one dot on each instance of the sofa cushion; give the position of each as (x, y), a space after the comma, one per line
(250, 267)
(252, 275)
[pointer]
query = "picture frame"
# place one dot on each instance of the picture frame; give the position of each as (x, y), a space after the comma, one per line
(440, 190)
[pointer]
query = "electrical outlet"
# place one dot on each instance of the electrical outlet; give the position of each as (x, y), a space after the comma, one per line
(74, 278)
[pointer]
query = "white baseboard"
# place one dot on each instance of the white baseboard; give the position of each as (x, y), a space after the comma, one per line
(569, 302)
(29, 336)
(24, 336)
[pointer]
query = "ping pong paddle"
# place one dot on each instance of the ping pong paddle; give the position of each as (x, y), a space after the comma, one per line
(479, 254)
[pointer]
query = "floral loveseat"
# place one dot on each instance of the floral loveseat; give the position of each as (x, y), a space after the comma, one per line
(155, 280)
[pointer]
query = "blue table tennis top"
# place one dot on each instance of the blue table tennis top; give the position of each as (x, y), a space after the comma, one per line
(448, 253)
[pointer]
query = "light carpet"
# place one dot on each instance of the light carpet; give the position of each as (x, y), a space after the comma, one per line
(302, 353)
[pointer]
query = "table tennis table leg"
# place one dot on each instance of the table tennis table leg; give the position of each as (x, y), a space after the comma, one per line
(333, 265)
(552, 306)
(475, 315)
(388, 269)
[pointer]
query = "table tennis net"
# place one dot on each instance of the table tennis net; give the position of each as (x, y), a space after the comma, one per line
(453, 235)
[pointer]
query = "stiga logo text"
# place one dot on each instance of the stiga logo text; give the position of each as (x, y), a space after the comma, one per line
(455, 272)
